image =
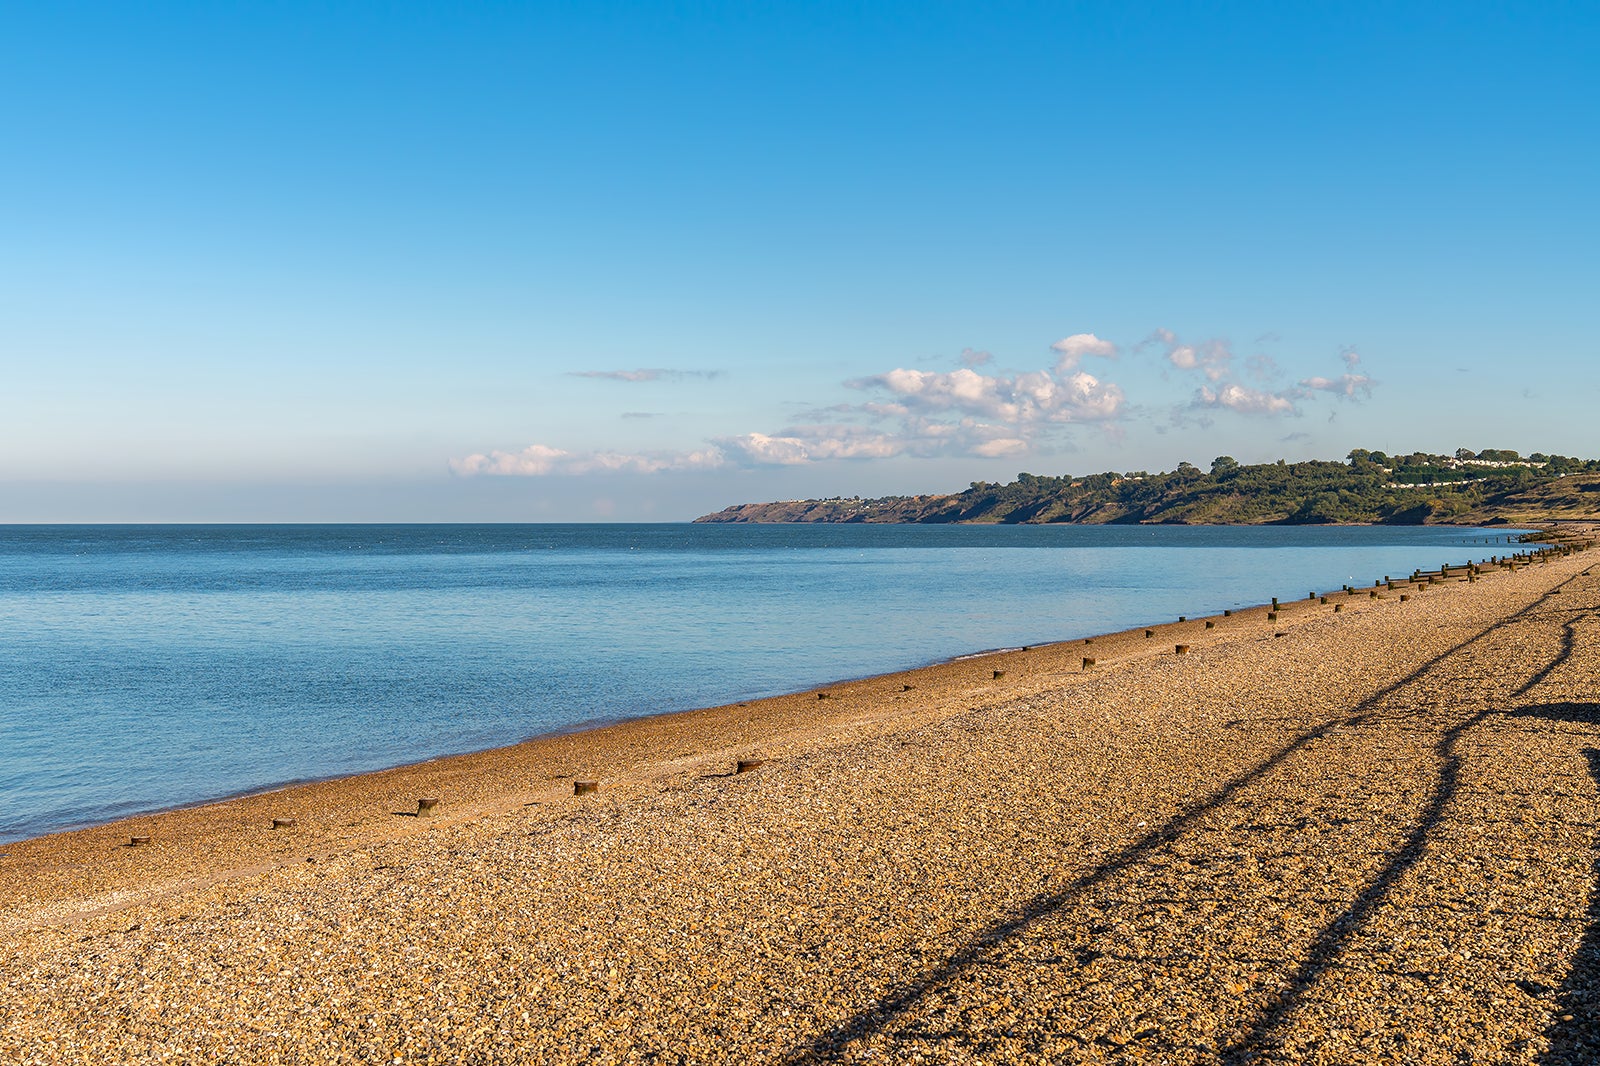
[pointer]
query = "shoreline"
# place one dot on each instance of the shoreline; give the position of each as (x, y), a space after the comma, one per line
(1257, 841)
(408, 746)
(804, 712)
(1525, 537)
(1528, 536)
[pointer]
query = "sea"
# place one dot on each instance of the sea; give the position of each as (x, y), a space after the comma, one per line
(150, 667)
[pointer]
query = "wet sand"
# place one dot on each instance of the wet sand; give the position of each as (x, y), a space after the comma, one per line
(1356, 836)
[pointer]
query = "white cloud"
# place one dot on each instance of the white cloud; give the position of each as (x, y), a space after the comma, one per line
(540, 460)
(532, 461)
(972, 357)
(1028, 399)
(811, 444)
(1071, 350)
(1213, 357)
(1244, 400)
(934, 390)
(1348, 385)
(1000, 446)
(789, 447)
(763, 450)
(1091, 400)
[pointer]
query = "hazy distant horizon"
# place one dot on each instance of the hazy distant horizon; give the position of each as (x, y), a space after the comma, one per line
(484, 500)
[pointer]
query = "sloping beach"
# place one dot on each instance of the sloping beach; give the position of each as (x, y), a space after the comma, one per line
(1357, 836)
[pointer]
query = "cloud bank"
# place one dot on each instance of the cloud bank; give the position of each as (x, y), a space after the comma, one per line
(1026, 400)
(539, 460)
(967, 412)
(1214, 360)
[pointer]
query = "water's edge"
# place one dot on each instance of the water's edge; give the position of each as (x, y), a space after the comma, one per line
(595, 725)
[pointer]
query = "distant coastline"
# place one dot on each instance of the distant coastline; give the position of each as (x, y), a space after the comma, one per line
(1489, 488)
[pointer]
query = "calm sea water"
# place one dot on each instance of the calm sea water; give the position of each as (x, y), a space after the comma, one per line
(144, 667)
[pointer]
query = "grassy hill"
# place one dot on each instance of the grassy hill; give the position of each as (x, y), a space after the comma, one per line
(1487, 488)
(1572, 498)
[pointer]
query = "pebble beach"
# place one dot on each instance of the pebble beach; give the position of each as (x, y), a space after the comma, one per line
(1361, 827)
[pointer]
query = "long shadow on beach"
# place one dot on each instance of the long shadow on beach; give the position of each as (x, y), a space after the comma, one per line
(1331, 941)
(885, 1011)
(1575, 1035)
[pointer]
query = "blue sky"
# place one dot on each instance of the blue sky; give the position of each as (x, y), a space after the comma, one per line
(603, 261)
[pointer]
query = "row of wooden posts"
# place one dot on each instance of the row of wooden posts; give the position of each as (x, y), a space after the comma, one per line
(1472, 571)
(426, 805)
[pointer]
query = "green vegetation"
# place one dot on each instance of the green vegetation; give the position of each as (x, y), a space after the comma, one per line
(1369, 487)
